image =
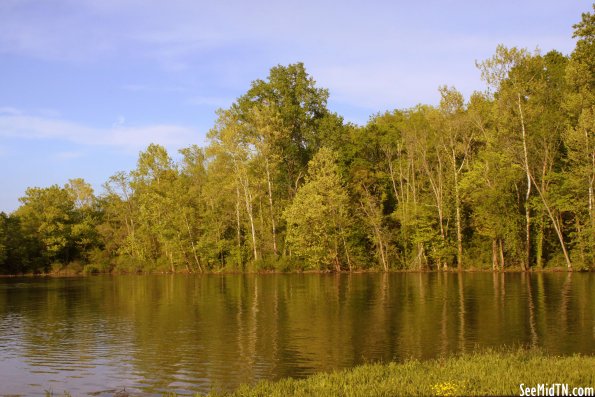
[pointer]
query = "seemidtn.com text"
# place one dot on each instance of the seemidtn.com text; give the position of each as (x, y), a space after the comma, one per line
(555, 389)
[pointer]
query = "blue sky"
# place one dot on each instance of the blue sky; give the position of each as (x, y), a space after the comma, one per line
(86, 84)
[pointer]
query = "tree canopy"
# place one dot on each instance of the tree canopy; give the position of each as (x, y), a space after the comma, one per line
(505, 178)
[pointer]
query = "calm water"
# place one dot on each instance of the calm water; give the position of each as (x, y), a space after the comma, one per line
(181, 333)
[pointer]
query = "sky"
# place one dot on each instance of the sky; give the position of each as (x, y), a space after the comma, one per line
(85, 85)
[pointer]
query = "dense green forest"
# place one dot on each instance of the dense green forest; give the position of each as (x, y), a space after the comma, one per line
(504, 179)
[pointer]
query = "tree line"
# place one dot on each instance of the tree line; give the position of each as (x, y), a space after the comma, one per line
(502, 179)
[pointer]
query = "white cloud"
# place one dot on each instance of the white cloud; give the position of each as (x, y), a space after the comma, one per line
(23, 126)
(170, 32)
(47, 112)
(375, 55)
(8, 110)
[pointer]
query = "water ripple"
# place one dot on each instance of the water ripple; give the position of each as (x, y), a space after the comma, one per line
(187, 334)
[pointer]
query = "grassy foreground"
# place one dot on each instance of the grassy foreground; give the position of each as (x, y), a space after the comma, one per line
(484, 373)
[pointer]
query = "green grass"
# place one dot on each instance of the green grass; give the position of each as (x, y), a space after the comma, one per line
(482, 373)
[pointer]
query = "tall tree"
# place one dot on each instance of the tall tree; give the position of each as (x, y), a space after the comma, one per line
(369, 188)
(457, 140)
(491, 187)
(19, 253)
(318, 218)
(229, 144)
(47, 215)
(579, 138)
(300, 105)
(154, 184)
(267, 128)
(118, 228)
(510, 103)
(85, 215)
(191, 215)
(3, 239)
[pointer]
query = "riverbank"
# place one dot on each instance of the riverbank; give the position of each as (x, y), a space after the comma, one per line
(78, 272)
(474, 374)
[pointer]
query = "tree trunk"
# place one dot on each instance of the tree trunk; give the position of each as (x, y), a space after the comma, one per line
(392, 178)
(458, 214)
(346, 250)
(494, 254)
(192, 244)
(183, 252)
(539, 244)
(336, 256)
(404, 220)
(248, 198)
(557, 226)
(171, 261)
(527, 263)
(370, 212)
(382, 250)
(591, 197)
(501, 255)
(239, 225)
(421, 256)
(437, 189)
(272, 208)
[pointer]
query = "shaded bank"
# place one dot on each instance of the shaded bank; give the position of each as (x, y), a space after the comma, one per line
(285, 267)
(485, 373)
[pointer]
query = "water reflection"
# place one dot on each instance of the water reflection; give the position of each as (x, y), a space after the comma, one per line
(187, 333)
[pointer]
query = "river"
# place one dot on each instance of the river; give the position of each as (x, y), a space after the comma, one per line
(188, 333)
